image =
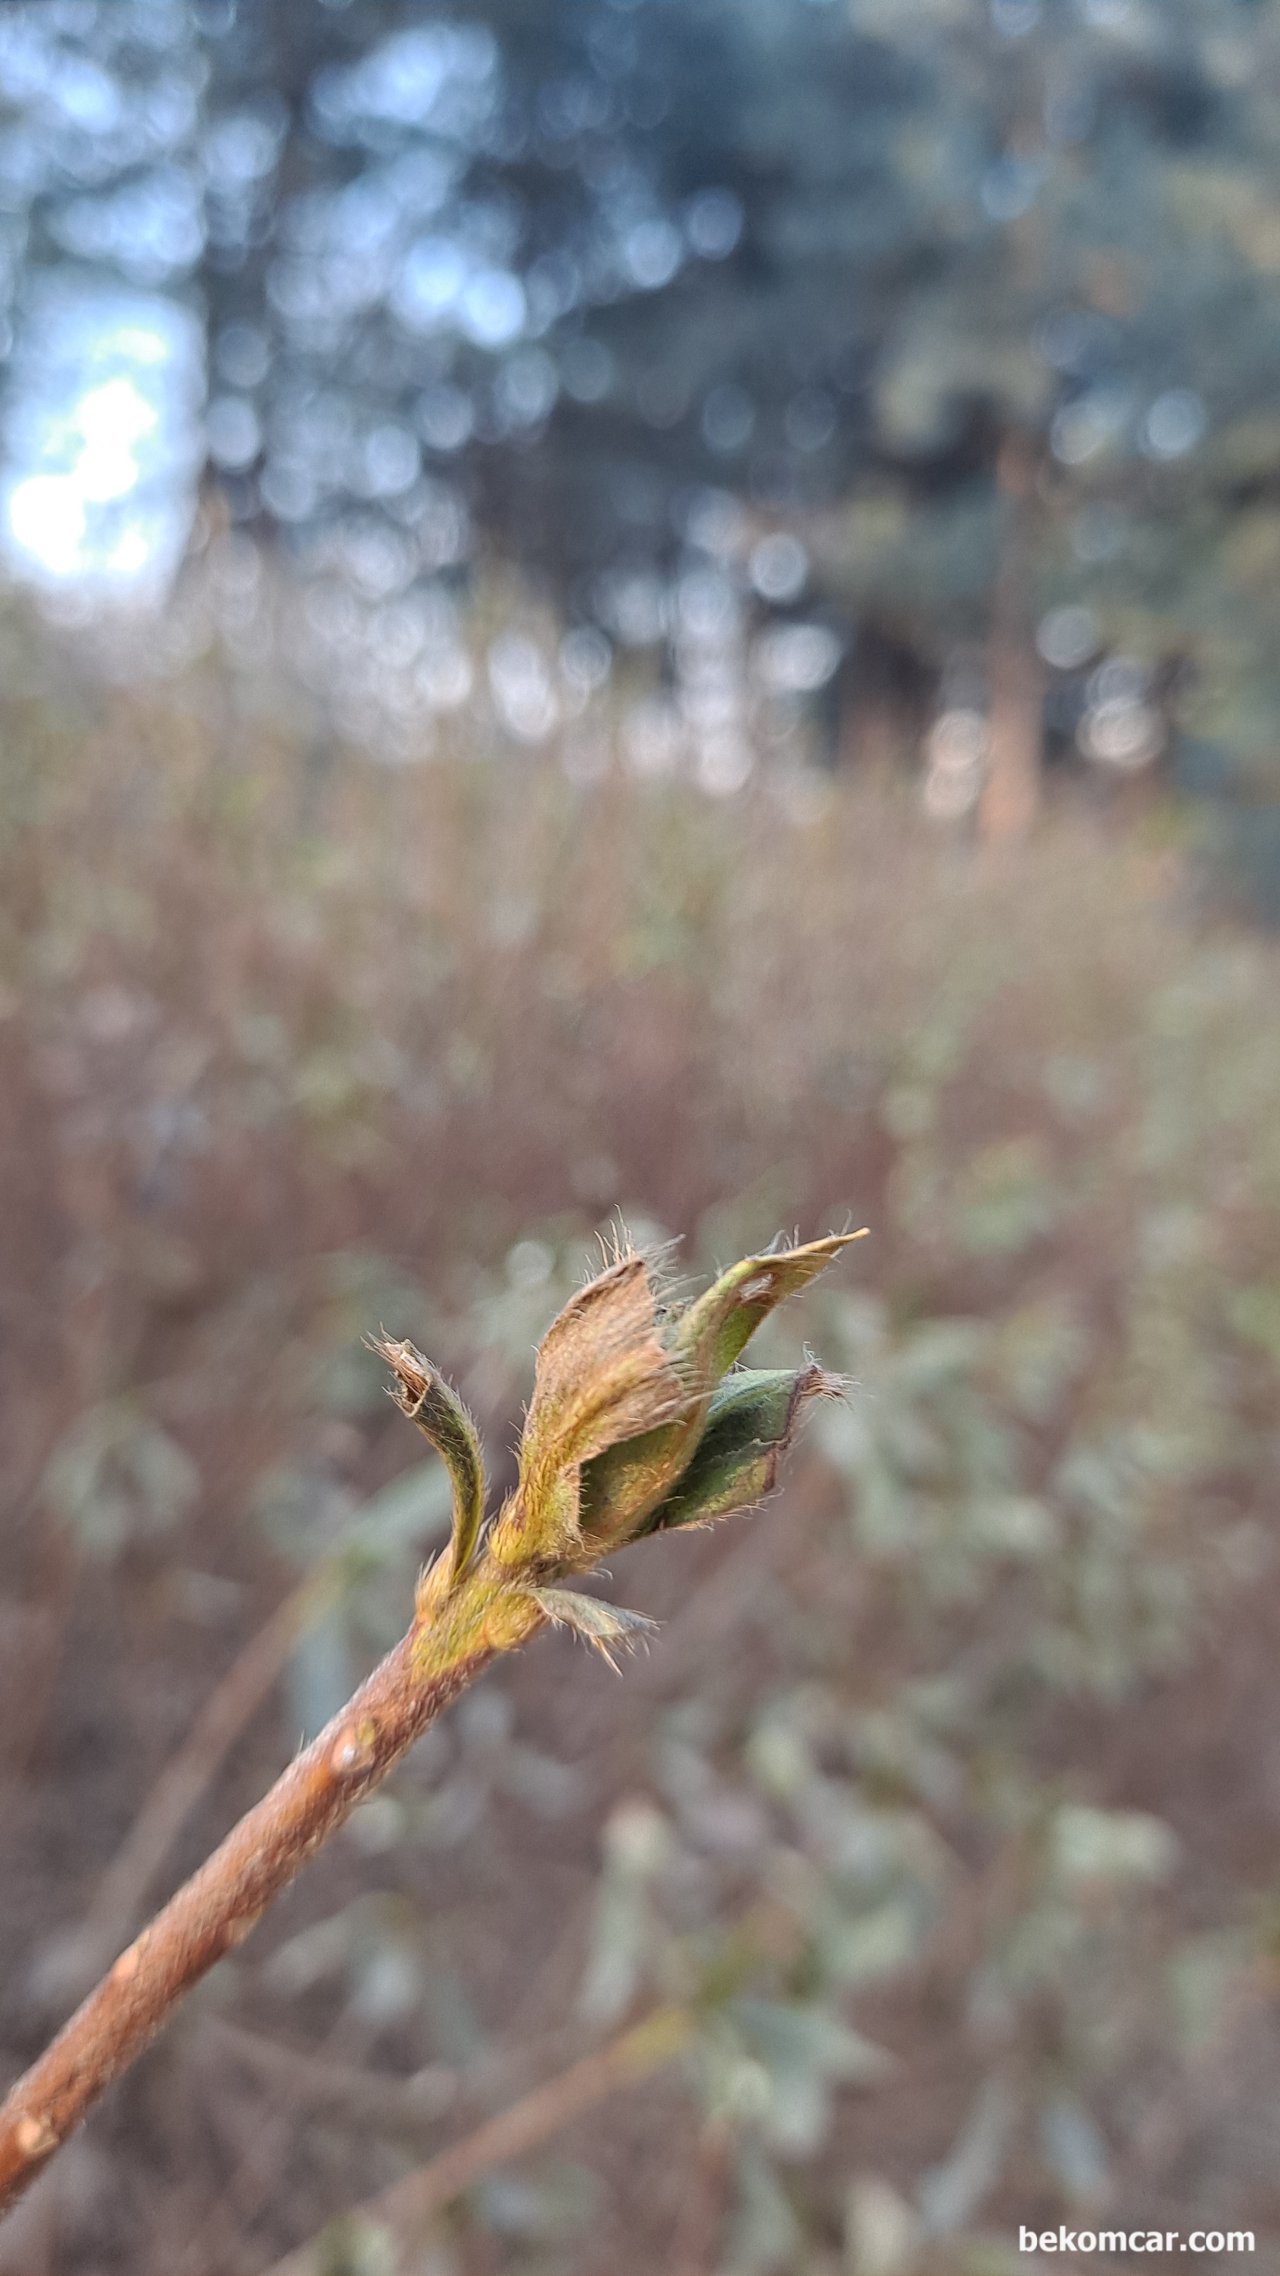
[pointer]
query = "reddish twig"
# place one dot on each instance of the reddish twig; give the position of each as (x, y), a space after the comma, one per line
(318, 2080)
(636, 1424)
(217, 1907)
(230, 1707)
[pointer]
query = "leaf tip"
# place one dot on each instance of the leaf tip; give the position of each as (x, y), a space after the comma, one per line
(608, 1628)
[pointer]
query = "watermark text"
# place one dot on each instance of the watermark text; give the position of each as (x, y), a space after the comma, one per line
(1135, 2240)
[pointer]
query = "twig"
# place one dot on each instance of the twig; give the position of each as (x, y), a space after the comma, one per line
(402, 2103)
(630, 1430)
(317, 2079)
(227, 1712)
(215, 1910)
(409, 2204)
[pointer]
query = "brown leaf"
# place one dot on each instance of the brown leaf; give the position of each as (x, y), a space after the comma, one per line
(603, 1375)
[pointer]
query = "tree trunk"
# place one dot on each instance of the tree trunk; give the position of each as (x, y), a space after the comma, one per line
(879, 717)
(1015, 725)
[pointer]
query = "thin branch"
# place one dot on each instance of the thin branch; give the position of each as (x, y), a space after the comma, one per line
(227, 1712)
(410, 2204)
(215, 1910)
(365, 2096)
(402, 2103)
(607, 1385)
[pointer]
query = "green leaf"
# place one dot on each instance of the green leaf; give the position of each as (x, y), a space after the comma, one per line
(806, 2052)
(949, 2194)
(637, 1845)
(1110, 1847)
(881, 2230)
(622, 1489)
(421, 1393)
(1074, 2148)
(117, 1475)
(718, 1326)
(750, 1423)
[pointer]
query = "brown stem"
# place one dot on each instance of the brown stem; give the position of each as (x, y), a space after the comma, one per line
(604, 1379)
(408, 2204)
(217, 1907)
(225, 1714)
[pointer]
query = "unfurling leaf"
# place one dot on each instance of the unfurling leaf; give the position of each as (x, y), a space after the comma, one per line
(629, 1428)
(750, 1424)
(621, 1489)
(606, 1627)
(603, 1375)
(421, 1393)
(717, 1328)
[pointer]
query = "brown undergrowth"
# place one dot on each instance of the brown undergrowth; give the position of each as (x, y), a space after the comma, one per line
(945, 1805)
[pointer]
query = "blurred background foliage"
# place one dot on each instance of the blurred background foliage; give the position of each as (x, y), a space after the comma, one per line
(894, 371)
(944, 1805)
(553, 528)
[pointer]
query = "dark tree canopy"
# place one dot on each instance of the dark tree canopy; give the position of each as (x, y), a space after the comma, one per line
(543, 280)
